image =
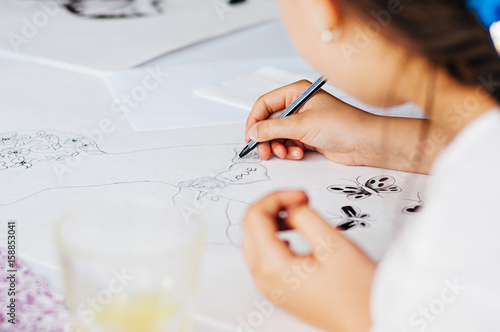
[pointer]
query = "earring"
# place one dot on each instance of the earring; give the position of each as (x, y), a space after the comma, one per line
(330, 35)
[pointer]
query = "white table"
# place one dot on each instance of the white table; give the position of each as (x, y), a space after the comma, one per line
(243, 52)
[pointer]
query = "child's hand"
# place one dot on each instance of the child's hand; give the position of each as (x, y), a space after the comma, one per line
(329, 288)
(343, 133)
(325, 124)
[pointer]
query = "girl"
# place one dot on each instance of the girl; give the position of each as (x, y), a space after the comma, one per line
(442, 273)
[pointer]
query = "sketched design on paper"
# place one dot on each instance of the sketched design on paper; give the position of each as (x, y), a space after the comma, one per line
(226, 214)
(415, 208)
(112, 9)
(237, 174)
(205, 191)
(351, 217)
(251, 157)
(25, 149)
(374, 186)
(243, 171)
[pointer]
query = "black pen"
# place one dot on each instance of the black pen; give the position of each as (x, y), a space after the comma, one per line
(295, 106)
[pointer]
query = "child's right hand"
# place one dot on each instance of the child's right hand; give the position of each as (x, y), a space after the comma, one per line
(324, 124)
(341, 132)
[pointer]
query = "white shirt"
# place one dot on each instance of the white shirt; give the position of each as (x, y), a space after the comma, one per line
(443, 271)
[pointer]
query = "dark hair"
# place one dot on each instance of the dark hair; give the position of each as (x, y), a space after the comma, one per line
(446, 33)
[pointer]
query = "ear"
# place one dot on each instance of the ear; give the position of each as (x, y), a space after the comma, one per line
(327, 14)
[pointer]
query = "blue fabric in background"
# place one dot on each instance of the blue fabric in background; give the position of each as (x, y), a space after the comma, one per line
(488, 11)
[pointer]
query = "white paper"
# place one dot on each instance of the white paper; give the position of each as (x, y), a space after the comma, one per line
(168, 103)
(62, 144)
(44, 29)
(171, 103)
(242, 92)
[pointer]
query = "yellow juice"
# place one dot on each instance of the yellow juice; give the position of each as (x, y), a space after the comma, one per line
(142, 313)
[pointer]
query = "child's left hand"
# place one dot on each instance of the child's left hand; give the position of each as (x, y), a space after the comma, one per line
(330, 288)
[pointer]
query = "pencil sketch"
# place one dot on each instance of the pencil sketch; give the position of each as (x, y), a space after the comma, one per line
(251, 157)
(374, 186)
(414, 209)
(110, 9)
(215, 196)
(203, 194)
(229, 214)
(351, 216)
(225, 213)
(27, 148)
(235, 211)
(243, 171)
(237, 174)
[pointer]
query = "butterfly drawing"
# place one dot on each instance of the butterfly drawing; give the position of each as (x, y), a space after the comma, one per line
(353, 217)
(414, 209)
(374, 186)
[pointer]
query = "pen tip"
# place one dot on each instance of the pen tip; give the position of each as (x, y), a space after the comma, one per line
(243, 153)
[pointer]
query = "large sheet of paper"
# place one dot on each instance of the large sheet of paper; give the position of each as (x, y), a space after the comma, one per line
(167, 101)
(44, 29)
(170, 102)
(62, 143)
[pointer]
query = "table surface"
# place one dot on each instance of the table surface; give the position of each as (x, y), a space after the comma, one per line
(262, 45)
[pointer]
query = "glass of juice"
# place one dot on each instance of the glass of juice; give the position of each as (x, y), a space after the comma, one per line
(131, 265)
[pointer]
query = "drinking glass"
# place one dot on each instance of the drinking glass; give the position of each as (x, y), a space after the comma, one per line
(130, 265)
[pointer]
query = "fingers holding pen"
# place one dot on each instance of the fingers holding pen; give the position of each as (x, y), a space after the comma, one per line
(278, 136)
(283, 149)
(274, 102)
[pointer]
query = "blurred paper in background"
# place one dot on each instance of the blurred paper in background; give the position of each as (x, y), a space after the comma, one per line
(46, 29)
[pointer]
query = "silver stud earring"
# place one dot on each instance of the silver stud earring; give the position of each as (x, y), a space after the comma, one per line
(330, 35)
